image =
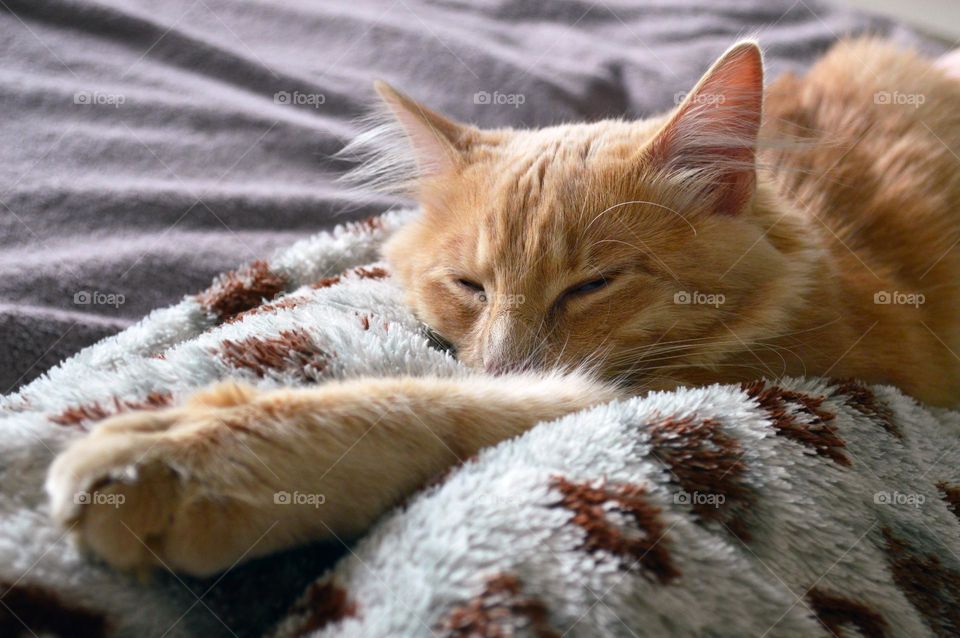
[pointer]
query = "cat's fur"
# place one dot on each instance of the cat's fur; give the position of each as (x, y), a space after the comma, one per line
(573, 248)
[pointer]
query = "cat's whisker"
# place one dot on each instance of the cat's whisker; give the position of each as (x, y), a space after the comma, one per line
(716, 349)
(595, 362)
(704, 348)
(648, 355)
(761, 372)
(659, 205)
(697, 341)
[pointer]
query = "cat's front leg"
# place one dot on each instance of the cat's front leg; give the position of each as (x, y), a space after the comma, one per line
(237, 473)
(180, 488)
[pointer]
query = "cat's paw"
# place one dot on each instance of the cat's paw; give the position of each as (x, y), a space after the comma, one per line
(113, 491)
(149, 489)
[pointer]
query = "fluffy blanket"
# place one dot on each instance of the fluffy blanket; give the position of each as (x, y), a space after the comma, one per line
(788, 508)
(148, 146)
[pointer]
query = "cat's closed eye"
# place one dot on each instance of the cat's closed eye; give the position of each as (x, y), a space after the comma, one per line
(582, 288)
(587, 286)
(473, 287)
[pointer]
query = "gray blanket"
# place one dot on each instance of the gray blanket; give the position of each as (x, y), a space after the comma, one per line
(148, 146)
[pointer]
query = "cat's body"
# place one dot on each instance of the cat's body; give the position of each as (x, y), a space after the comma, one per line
(630, 255)
(859, 206)
(879, 186)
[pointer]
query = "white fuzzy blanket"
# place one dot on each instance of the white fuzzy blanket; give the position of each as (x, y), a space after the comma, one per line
(801, 508)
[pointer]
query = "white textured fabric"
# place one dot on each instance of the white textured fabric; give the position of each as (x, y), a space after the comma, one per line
(801, 508)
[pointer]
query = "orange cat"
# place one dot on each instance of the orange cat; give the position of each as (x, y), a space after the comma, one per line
(810, 232)
(657, 251)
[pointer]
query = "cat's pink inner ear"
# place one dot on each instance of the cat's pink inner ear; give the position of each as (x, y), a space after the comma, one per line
(711, 138)
(437, 142)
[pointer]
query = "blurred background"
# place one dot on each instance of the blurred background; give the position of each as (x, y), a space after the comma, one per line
(938, 17)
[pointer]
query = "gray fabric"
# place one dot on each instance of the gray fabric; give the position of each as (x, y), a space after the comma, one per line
(145, 148)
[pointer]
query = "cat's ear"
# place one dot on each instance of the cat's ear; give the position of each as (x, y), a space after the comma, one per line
(711, 138)
(438, 142)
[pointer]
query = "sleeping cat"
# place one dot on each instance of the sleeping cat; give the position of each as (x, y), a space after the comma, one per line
(808, 231)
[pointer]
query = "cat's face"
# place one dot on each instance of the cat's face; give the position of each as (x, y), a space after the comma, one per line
(592, 244)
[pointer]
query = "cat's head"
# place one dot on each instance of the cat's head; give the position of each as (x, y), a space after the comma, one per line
(604, 244)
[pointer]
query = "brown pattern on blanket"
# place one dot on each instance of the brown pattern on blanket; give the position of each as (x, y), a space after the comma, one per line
(326, 282)
(708, 465)
(367, 225)
(783, 407)
(951, 495)
(240, 290)
(644, 545)
(324, 603)
(78, 414)
(931, 587)
(861, 398)
(284, 303)
(499, 611)
(374, 272)
(291, 351)
(836, 612)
